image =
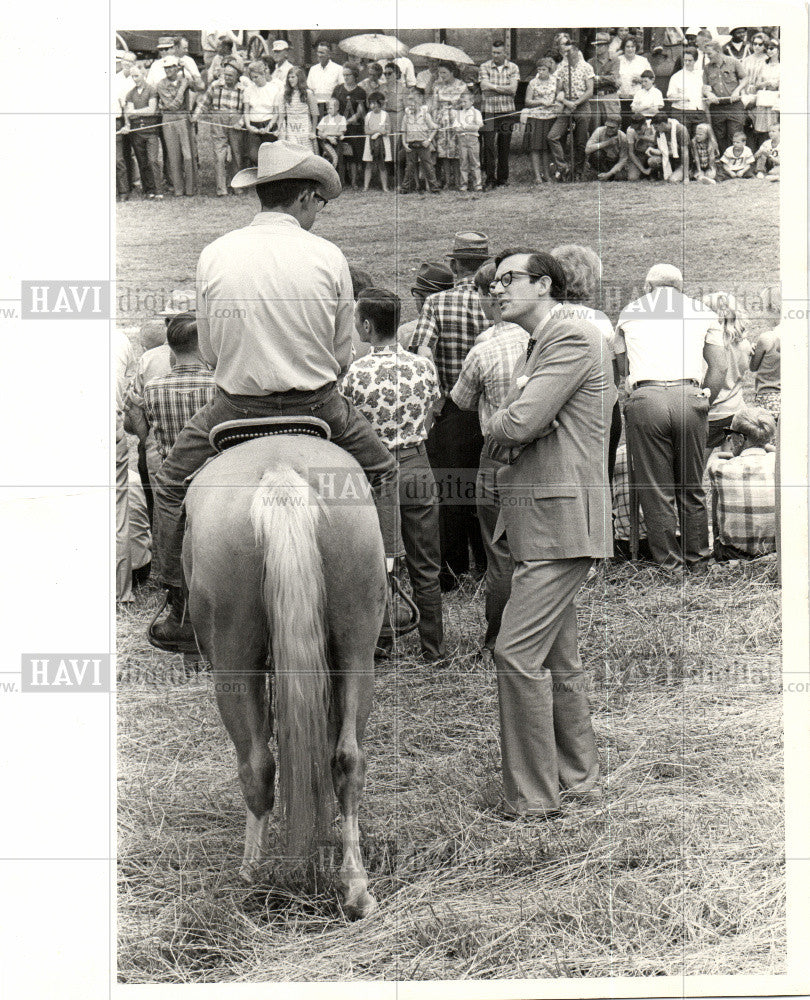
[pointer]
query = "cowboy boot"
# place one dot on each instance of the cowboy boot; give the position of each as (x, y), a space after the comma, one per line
(431, 631)
(175, 633)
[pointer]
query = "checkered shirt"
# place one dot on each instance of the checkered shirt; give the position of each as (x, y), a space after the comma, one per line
(218, 97)
(394, 390)
(620, 488)
(169, 402)
(486, 375)
(744, 500)
(448, 324)
(499, 76)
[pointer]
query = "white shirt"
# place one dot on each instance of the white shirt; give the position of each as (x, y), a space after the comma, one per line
(647, 102)
(686, 90)
(322, 80)
(664, 333)
(275, 309)
(121, 87)
(263, 101)
(187, 68)
(630, 70)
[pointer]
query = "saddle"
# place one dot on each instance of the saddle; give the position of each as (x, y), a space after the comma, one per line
(232, 432)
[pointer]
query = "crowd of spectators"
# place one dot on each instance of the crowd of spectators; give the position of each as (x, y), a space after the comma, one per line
(698, 106)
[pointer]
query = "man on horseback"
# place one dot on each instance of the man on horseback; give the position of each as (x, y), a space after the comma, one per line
(275, 315)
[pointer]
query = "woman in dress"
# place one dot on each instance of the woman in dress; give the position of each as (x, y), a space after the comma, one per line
(446, 93)
(298, 112)
(738, 353)
(631, 66)
(541, 99)
(353, 102)
(765, 111)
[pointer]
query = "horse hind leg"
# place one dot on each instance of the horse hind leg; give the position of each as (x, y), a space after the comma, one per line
(348, 774)
(242, 700)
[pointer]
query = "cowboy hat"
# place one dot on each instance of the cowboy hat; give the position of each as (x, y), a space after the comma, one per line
(284, 161)
(433, 277)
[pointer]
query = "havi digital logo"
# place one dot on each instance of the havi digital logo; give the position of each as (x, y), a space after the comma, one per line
(65, 672)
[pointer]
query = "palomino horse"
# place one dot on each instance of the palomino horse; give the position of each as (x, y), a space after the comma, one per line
(288, 578)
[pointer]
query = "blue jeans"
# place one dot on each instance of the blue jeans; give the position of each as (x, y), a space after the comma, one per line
(350, 430)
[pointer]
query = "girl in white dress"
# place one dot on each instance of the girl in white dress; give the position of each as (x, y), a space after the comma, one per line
(298, 112)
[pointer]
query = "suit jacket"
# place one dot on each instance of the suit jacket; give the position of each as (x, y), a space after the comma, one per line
(555, 496)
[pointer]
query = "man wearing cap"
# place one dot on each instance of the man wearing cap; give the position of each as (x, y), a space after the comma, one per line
(275, 315)
(555, 497)
(724, 79)
(606, 152)
(432, 277)
(170, 48)
(606, 70)
(664, 341)
(224, 104)
(173, 103)
(447, 328)
(737, 46)
(324, 76)
(281, 54)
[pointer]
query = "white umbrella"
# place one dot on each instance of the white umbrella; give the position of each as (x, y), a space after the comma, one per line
(446, 53)
(373, 47)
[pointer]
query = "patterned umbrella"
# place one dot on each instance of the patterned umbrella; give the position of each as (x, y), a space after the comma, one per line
(373, 47)
(446, 53)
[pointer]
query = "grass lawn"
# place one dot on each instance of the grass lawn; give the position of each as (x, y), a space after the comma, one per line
(678, 871)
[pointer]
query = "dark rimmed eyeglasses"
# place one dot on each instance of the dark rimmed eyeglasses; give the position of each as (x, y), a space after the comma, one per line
(505, 279)
(320, 202)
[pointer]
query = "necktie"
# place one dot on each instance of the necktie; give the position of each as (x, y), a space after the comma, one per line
(530, 347)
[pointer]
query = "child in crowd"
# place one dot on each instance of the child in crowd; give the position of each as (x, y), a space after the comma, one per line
(377, 150)
(737, 161)
(642, 149)
(467, 121)
(704, 154)
(766, 364)
(648, 99)
(418, 133)
(768, 155)
(395, 391)
(331, 129)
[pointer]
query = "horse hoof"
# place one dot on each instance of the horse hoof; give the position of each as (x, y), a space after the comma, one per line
(362, 907)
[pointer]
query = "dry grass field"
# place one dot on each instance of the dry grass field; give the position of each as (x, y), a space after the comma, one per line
(678, 871)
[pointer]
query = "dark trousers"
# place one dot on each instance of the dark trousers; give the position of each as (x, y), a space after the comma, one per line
(419, 519)
(122, 183)
(615, 436)
(418, 160)
(726, 119)
(577, 123)
(499, 559)
(350, 430)
(666, 440)
(146, 147)
(454, 446)
(496, 136)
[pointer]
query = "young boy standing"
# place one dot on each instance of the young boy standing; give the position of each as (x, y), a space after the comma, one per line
(418, 132)
(467, 122)
(396, 391)
(648, 99)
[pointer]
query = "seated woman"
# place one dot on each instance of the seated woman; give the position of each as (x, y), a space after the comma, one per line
(738, 353)
(743, 480)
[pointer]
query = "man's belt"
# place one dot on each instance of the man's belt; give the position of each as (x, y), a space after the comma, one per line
(675, 381)
(302, 396)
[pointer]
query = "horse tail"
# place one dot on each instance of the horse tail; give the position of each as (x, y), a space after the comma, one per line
(285, 514)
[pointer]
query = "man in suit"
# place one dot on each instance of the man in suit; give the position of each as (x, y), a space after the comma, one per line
(555, 509)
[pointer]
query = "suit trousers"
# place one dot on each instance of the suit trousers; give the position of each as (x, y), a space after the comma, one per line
(499, 559)
(666, 428)
(547, 740)
(419, 518)
(454, 445)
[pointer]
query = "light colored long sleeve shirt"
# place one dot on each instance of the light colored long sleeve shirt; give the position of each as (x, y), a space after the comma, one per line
(275, 309)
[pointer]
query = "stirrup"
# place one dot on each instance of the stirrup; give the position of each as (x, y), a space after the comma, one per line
(391, 630)
(179, 646)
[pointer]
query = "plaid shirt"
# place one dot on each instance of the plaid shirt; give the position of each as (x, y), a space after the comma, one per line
(499, 76)
(744, 500)
(486, 375)
(620, 488)
(218, 97)
(169, 402)
(448, 324)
